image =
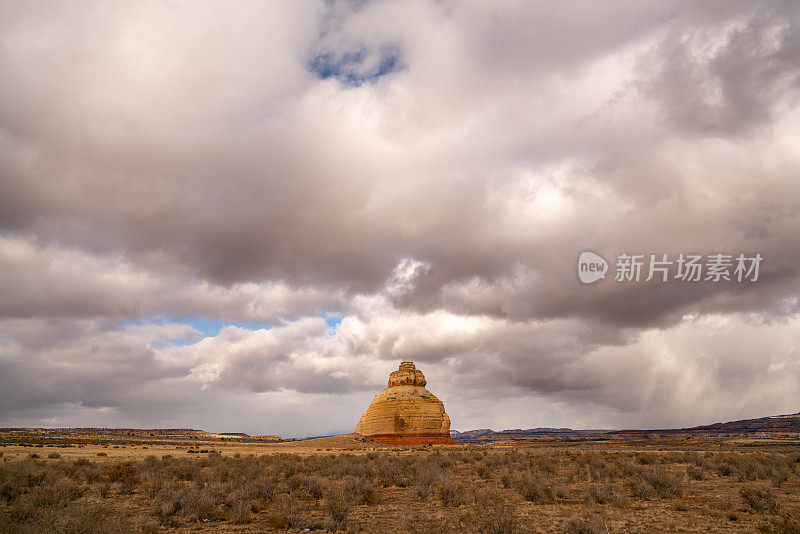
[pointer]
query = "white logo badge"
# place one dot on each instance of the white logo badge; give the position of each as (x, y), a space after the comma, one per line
(591, 267)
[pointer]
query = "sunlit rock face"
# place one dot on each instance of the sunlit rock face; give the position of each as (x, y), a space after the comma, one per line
(405, 413)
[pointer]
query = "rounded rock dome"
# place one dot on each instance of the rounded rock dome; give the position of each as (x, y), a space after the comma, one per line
(405, 413)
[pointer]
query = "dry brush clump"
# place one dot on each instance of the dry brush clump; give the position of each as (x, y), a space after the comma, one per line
(607, 494)
(492, 514)
(338, 504)
(759, 500)
(537, 490)
(784, 523)
(425, 476)
(663, 483)
(584, 525)
(451, 493)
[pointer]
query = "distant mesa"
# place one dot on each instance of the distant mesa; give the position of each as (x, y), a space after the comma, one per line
(781, 427)
(405, 413)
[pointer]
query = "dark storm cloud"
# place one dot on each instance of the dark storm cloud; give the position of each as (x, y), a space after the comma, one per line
(730, 75)
(431, 170)
(47, 363)
(56, 281)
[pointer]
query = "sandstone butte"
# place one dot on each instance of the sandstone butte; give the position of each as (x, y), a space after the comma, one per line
(405, 413)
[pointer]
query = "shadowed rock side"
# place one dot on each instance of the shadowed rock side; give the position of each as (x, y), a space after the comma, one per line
(405, 413)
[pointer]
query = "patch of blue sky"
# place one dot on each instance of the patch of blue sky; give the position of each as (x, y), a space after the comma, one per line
(355, 68)
(207, 327)
(211, 327)
(333, 320)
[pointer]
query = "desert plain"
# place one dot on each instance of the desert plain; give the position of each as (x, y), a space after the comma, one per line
(94, 480)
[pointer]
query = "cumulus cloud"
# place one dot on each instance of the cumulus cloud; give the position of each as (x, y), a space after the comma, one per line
(427, 171)
(49, 280)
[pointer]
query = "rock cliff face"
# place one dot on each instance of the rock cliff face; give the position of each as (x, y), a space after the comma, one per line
(405, 413)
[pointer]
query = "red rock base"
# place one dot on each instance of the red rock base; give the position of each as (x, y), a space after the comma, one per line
(412, 439)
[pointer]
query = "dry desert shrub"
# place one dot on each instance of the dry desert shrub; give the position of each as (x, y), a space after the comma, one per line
(593, 467)
(646, 458)
(542, 463)
(123, 472)
(606, 494)
(442, 460)
(54, 495)
(458, 457)
(338, 505)
(240, 507)
(483, 471)
(388, 471)
(694, 472)
(275, 520)
(786, 523)
(779, 475)
(651, 483)
(451, 493)
(583, 525)
(492, 514)
(361, 491)
(287, 465)
(508, 478)
(262, 488)
(758, 468)
(536, 490)
(759, 500)
(177, 503)
(423, 492)
(693, 458)
(181, 469)
(750, 466)
(151, 481)
(104, 489)
(426, 475)
(288, 512)
(313, 485)
(12, 482)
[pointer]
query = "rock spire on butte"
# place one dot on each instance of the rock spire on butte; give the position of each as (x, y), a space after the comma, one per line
(405, 413)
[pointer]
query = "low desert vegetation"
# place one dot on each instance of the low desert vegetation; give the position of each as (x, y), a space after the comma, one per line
(464, 489)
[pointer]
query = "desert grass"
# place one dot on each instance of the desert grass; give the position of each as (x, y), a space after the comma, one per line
(553, 488)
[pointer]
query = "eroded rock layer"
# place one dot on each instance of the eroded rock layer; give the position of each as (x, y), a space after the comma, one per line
(405, 413)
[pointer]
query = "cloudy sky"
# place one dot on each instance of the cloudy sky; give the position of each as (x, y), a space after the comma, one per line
(241, 217)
